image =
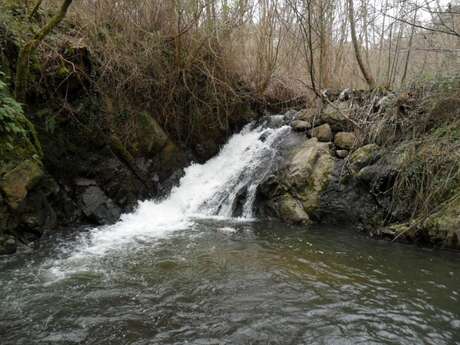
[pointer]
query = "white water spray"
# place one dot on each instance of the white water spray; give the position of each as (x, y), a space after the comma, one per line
(217, 188)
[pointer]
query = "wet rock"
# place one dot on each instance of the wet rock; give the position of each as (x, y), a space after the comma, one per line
(274, 121)
(7, 245)
(98, 207)
(323, 133)
(345, 140)
(342, 153)
(17, 182)
(300, 125)
(289, 210)
(346, 200)
(294, 191)
(364, 156)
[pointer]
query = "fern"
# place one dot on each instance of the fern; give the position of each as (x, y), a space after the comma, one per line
(11, 114)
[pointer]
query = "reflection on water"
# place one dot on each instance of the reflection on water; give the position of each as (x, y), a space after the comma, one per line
(223, 282)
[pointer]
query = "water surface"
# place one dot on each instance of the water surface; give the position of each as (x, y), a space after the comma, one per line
(232, 282)
(182, 271)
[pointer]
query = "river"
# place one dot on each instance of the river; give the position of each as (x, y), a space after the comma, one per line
(184, 270)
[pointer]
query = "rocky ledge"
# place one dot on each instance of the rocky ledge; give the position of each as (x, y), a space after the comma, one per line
(330, 175)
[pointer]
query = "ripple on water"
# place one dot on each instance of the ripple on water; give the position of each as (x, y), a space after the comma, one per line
(256, 284)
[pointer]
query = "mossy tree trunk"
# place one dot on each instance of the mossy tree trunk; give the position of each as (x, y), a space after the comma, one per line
(22, 69)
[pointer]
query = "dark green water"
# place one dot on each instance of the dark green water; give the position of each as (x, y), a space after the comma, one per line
(257, 283)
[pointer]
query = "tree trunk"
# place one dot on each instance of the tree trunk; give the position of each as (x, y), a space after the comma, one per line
(409, 50)
(364, 69)
(22, 69)
(35, 9)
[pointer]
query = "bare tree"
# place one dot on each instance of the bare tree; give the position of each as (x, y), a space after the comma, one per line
(22, 69)
(356, 46)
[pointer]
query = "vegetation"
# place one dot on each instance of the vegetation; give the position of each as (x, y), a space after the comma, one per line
(14, 126)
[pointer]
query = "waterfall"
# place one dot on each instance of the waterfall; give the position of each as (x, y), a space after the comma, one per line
(225, 186)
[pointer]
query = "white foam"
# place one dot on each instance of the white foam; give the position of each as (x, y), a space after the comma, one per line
(206, 190)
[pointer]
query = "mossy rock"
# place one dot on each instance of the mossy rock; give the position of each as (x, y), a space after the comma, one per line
(295, 192)
(150, 138)
(16, 183)
(363, 157)
(345, 140)
(290, 210)
(444, 225)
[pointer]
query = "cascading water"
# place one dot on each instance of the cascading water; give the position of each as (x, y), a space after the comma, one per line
(184, 270)
(223, 187)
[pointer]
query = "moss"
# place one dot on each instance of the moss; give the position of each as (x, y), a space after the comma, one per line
(444, 225)
(363, 157)
(19, 180)
(63, 72)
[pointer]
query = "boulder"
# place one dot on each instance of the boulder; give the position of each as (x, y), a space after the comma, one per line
(336, 116)
(364, 156)
(323, 133)
(289, 210)
(99, 208)
(346, 200)
(7, 245)
(342, 153)
(150, 136)
(300, 125)
(18, 181)
(345, 140)
(293, 192)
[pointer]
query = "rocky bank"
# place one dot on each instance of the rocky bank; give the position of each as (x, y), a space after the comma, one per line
(334, 174)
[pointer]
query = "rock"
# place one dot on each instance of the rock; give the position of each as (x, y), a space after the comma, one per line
(309, 115)
(347, 201)
(345, 95)
(443, 227)
(290, 210)
(17, 182)
(345, 140)
(323, 133)
(290, 116)
(341, 153)
(98, 207)
(364, 156)
(275, 121)
(84, 182)
(300, 125)
(150, 136)
(336, 116)
(293, 192)
(7, 245)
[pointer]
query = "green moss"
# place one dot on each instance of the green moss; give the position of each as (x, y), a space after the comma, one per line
(363, 157)
(63, 72)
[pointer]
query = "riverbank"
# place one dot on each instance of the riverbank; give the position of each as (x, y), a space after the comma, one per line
(386, 161)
